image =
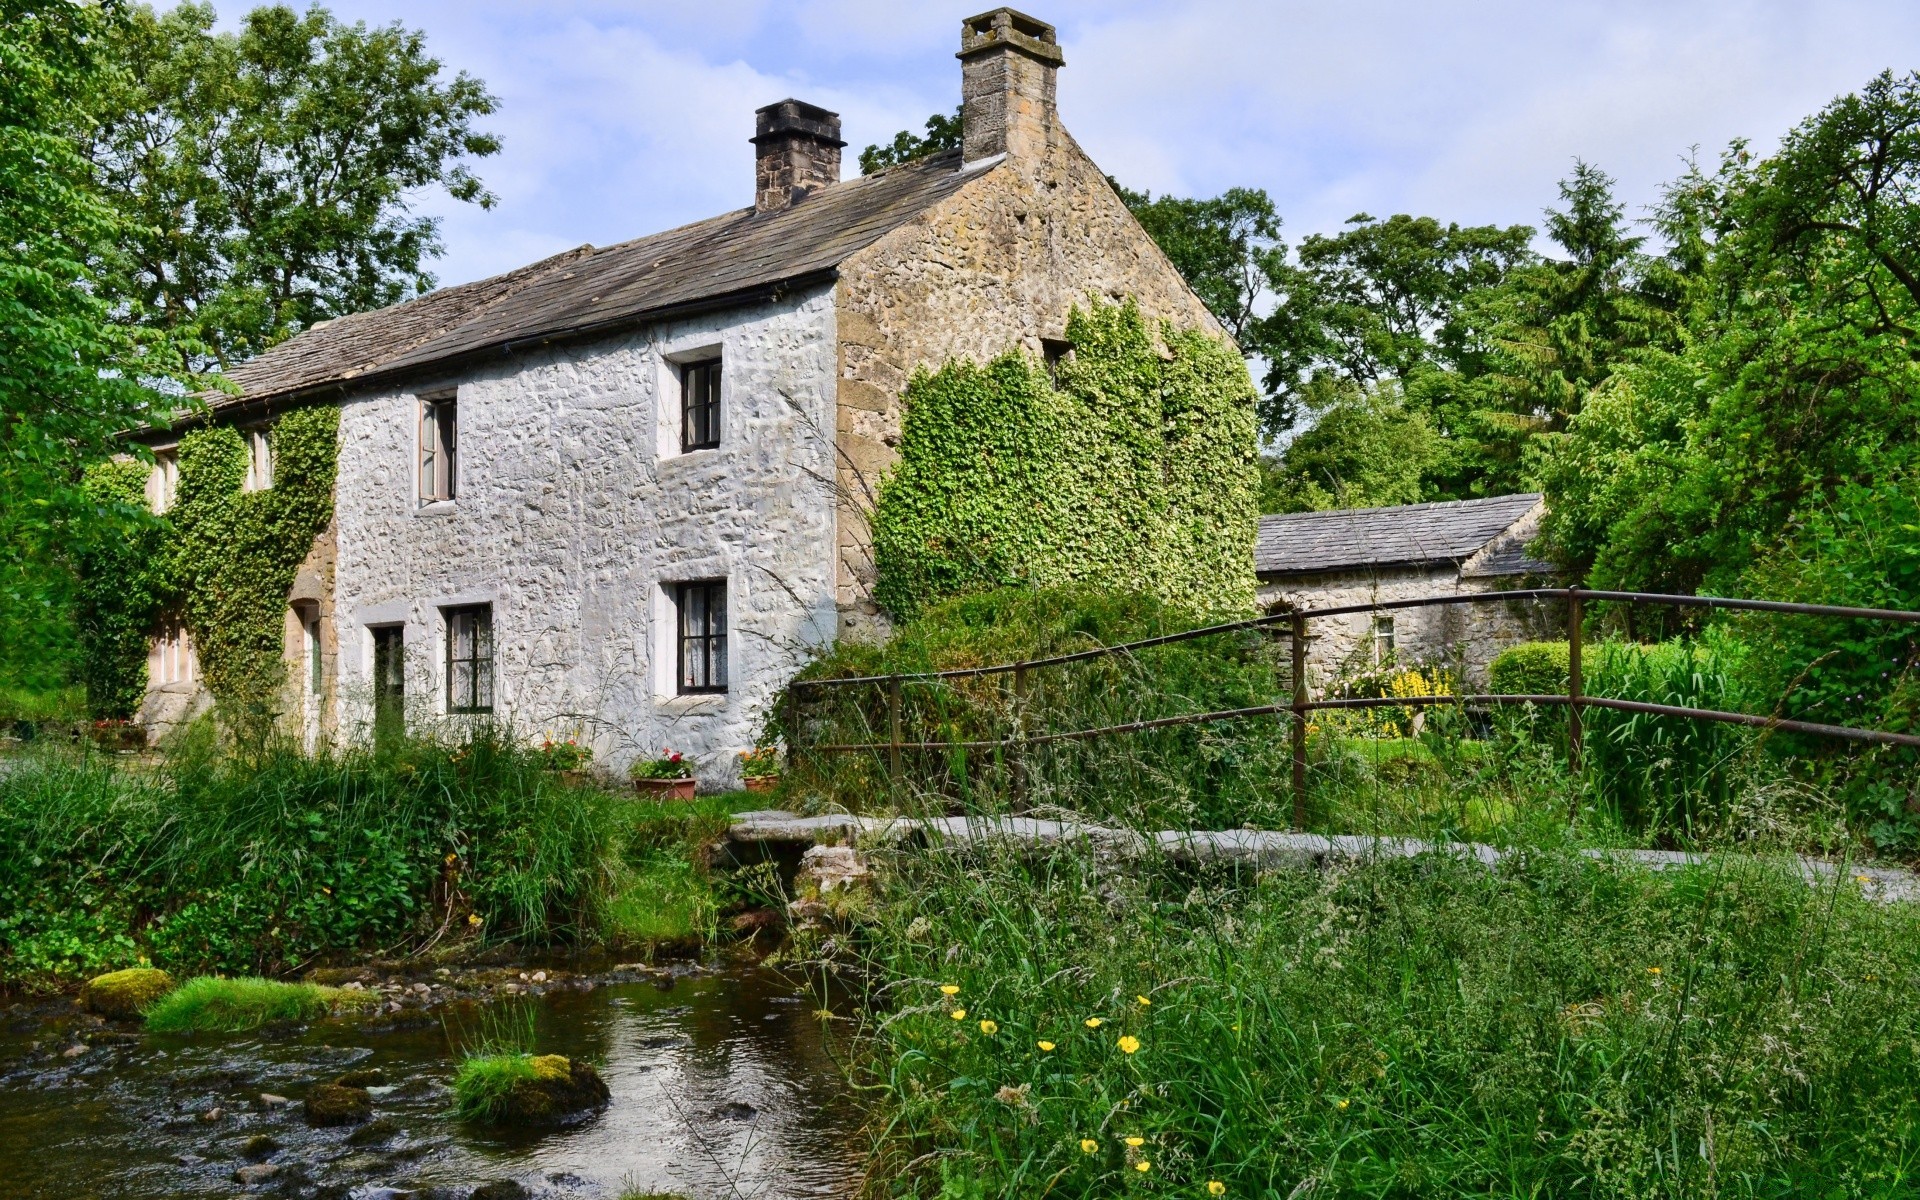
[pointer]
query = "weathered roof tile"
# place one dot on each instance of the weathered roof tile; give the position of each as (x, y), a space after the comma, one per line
(1404, 535)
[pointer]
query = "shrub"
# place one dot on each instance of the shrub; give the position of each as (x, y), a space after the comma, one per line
(1529, 669)
(213, 1005)
(1673, 775)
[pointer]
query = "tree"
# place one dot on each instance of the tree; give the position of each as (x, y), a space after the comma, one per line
(1223, 248)
(70, 379)
(268, 178)
(1367, 450)
(943, 133)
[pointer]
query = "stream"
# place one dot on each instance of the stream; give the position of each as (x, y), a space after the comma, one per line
(725, 1084)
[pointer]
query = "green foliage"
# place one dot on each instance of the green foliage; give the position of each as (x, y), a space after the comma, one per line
(1529, 669)
(215, 1005)
(234, 552)
(264, 864)
(1223, 247)
(70, 380)
(1367, 450)
(268, 178)
(1133, 466)
(1673, 776)
(482, 1083)
(122, 581)
(943, 133)
(1551, 1027)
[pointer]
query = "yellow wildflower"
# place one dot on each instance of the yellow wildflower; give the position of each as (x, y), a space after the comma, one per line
(949, 989)
(1653, 970)
(1143, 1001)
(1088, 1145)
(1216, 1188)
(958, 1014)
(1094, 1022)
(1136, 1143)
(1143, 1165)
(473, 918)
(1341, 1104)
(989, 1028)
(1047, 1047)
(1129, 1043)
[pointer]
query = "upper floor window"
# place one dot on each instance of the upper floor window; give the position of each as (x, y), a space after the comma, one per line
(259, 460)
(470, 659)
(700, 405)
(701, 609)
(439, 430)
(164, 482)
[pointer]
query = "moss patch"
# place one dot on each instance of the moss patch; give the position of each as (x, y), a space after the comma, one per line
(125, 993)
(526, 1089)
(214, 1005)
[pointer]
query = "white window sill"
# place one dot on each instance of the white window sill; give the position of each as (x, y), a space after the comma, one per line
(697, 702)
(437, 508)
(692, 456)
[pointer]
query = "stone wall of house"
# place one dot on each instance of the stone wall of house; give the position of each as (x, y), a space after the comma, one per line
(997, 265)
(1467, 636)
(575, 507)
(311, 711)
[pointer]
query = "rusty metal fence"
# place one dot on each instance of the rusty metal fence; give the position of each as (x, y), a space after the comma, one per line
(1297, 623)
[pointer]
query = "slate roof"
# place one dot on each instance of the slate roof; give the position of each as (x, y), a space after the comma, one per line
(589, 290)
(1405, 535)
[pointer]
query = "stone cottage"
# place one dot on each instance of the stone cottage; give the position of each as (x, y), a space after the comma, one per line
(622, 492)
(1368, 555)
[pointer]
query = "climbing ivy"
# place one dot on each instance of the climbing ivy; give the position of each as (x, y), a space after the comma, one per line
(223, 558)
(1132, 466)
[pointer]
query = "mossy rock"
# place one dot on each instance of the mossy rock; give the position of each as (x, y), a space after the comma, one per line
(125, 993)
(331, 1104)
(363, 1077)
(559, 1089)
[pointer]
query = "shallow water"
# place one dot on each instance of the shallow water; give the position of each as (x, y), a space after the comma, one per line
(723, 1085)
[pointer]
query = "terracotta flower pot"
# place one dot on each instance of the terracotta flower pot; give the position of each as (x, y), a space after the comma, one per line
(664, 789)
(762, 783)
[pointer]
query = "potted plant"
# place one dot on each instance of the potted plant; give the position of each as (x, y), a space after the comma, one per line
(569, 758)
(760, 768)
(669, 777)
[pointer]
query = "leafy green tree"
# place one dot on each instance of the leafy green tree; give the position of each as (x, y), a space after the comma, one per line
(70, 379)
(268, 178)
(943, 133)
(1368, 449)
(1225, 248)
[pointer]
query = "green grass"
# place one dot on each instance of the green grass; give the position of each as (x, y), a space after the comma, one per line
(482, 1082)
(209, 1004)
(1556, 1027)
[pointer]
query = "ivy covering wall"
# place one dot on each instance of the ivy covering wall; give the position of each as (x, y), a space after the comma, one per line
(1131, 465)
(223, 560)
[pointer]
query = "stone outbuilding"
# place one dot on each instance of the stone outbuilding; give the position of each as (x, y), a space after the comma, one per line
(1369, 555)
(622, 493)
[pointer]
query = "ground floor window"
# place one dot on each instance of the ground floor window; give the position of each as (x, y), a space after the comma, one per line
(1382, 639)
(702, 611)
(171, 659)
(470, 659)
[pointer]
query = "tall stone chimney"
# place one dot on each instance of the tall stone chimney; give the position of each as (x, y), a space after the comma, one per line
(1009, 66)
(796, 150)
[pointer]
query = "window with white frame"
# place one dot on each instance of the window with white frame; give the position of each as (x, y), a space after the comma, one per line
(700, 405)
(171, 658)
(470, 659)
(700, 611)
(259, 460)
(439, 439)
(1382, 638)
(164, 481)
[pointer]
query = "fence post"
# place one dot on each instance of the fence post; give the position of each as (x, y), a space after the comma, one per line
(1299, 723)
(893, 729)
(1017, 756)
(1575, 748)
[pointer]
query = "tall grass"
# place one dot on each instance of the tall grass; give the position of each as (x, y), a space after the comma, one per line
(210, 1005)
(1429, 1027)
(259, 865)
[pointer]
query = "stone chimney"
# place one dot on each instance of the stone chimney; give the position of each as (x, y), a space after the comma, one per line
(1009, 66)
(796, 150)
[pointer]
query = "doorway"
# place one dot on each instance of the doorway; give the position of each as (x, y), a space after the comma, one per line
(389, 684)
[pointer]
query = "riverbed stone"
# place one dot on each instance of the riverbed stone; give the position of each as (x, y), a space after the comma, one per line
(374, 1132)
(363, 1077)
(259, 1146)
(255, 1173)
(560, 1089)
(499, 1189)
(331, 1104)
(124, 993)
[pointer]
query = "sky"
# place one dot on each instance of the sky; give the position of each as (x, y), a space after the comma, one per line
(622, 117)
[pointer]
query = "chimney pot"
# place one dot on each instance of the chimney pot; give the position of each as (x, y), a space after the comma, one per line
(796, 150)
(1009, 65)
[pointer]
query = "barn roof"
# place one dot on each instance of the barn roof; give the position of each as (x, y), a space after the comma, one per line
(1449, 531)
(737, 256)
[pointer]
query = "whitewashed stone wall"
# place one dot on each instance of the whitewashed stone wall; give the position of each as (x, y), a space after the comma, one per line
(575, 507)
(1463, 635)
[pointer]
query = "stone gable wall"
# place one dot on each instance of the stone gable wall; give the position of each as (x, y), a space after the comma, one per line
(998, 264)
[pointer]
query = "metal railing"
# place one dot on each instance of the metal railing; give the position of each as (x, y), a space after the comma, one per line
(1302, 703)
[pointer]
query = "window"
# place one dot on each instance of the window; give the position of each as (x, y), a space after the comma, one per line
(389, 683)
(259, 461)
(171, 659)
(702, 610)
(470, 659)
(700, 405)
(438, 430)
(165, 480)
(1382, 639)
(316, 673)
